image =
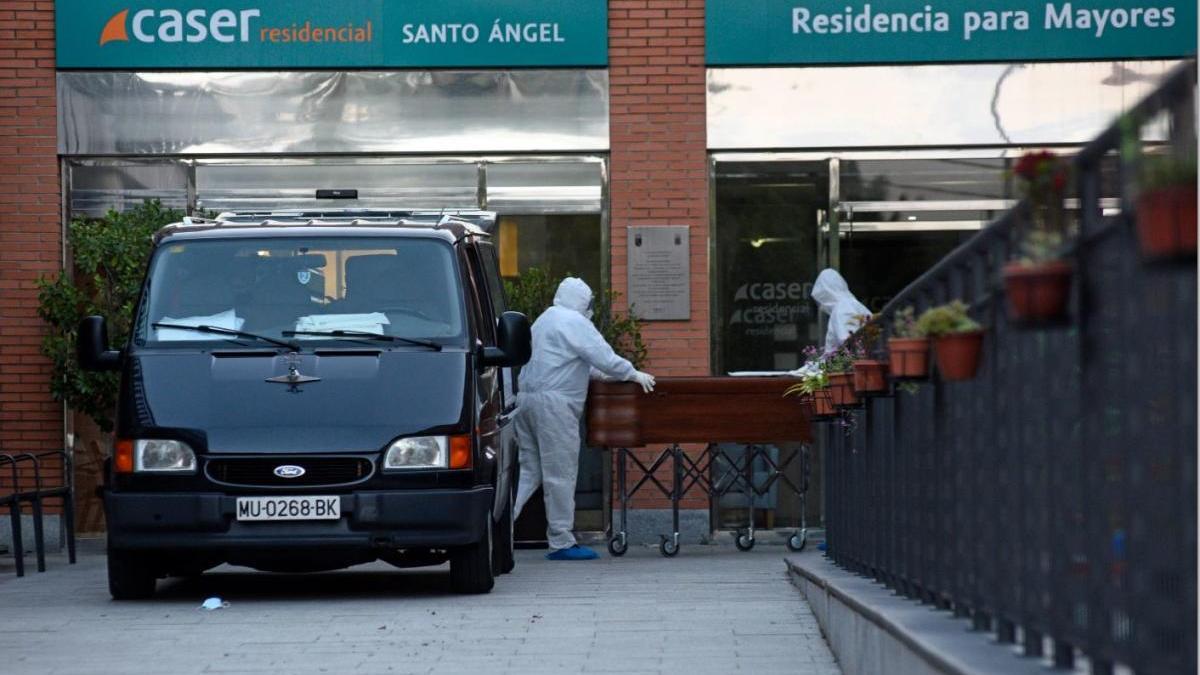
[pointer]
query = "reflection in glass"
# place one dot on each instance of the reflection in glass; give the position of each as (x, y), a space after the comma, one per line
(931, 105)
(328, 112)
(560, 244)
(766, 260)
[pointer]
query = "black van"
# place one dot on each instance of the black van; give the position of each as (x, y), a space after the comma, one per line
(305, 391)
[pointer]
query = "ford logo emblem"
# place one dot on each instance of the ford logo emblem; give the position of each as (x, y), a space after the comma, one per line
(289, 471)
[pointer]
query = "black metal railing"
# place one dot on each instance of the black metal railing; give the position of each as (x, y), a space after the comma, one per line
(24, 479)
(1052, 499)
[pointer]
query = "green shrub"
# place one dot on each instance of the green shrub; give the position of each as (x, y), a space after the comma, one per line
(945, 320)
(533, 291)
(109, 256)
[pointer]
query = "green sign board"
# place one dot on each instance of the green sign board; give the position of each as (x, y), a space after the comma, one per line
(770, 32)
(187, 34)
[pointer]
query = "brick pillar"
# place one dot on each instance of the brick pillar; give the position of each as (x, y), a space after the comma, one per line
(30, 224)
(659, 168)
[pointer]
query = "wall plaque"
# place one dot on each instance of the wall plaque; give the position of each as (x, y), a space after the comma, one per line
(660, 273)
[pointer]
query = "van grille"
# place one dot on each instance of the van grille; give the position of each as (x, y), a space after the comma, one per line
(260, 471)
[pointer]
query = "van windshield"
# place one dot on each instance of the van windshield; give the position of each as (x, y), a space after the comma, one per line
(310, 289)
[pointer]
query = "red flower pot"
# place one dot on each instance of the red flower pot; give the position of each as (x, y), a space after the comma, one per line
(806, 406)
(870, 377)
(909, 357)
(1037, 292)
(841, 388)
(958, 355)
(822, 403)
(1166, 222)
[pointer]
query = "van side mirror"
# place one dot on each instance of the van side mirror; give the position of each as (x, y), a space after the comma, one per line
(513, 342)
(91, 347)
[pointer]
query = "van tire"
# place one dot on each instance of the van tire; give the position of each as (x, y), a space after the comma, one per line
(504, 559)
(471, 569)
(129, 576)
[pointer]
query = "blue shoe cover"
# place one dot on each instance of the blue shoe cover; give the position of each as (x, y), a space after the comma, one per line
(576, 552)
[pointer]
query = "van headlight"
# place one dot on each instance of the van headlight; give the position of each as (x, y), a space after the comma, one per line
(418, 452)
(160, 456)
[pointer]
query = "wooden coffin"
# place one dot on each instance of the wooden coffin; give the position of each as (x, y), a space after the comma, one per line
(695, 410)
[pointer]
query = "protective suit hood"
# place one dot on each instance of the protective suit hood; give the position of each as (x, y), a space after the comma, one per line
(830, 288)
(832, 293)
(573, 293)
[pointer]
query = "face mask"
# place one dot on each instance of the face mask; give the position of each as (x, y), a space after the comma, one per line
(590, 308)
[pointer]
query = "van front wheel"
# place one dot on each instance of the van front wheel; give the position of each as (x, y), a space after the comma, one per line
(129, 576)
(471, 566)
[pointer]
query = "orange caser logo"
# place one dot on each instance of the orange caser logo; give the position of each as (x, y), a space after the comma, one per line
(114, 30)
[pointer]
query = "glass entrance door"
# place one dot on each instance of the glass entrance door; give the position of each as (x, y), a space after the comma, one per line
(765, 256)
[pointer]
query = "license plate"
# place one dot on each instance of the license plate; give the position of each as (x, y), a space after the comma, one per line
(289, 508)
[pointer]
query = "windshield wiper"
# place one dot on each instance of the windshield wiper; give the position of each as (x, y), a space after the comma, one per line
(287, 344)
(367, 335)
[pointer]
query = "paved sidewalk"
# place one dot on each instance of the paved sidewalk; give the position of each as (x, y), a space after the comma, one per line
(710, 610)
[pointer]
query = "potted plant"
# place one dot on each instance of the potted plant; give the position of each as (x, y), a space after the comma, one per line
(1038, 282)
(813, 390)
(839, 366)
(908, 349)
(870, 375)
(1166, 207)
(957, 340)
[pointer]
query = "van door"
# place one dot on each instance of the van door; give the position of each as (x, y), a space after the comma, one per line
(496, 429)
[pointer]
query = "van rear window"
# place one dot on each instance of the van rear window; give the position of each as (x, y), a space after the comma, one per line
(303, 289)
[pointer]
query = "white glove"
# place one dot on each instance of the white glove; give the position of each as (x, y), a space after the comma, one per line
(646, 380)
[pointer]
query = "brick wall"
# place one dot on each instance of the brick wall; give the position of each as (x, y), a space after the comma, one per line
(659, 162)
(30, 232)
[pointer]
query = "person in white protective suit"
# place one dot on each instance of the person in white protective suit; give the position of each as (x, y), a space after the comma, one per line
(844, 310)
(567, 349)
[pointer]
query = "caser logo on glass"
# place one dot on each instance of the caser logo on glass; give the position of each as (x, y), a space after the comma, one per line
(221, 25)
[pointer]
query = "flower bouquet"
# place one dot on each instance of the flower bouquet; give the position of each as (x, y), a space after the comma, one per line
(1038, 282)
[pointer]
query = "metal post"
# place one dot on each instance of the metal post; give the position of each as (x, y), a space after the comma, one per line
(1064, 655)
(621, 469)
(39, 539)
(1033, 643)
(1006, 631)
(69, 522)
(676, 489)
(18, 541)
(750, 452)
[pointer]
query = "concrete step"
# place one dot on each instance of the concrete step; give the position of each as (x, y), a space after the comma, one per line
(872, 630)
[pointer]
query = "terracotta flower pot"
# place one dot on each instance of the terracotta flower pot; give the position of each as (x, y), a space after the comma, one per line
(958, 355)
(909, 357)
(1166, 222)
(841, 388)
(1037, 292)
(822, 403)
(806, 405)
(870, 377)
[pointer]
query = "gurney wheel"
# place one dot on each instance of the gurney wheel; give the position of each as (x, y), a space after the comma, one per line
(744, 542)
(797, 542)
(617, 547)
(668, 547)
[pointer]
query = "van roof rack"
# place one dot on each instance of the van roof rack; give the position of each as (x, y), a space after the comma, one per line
(470, 221)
